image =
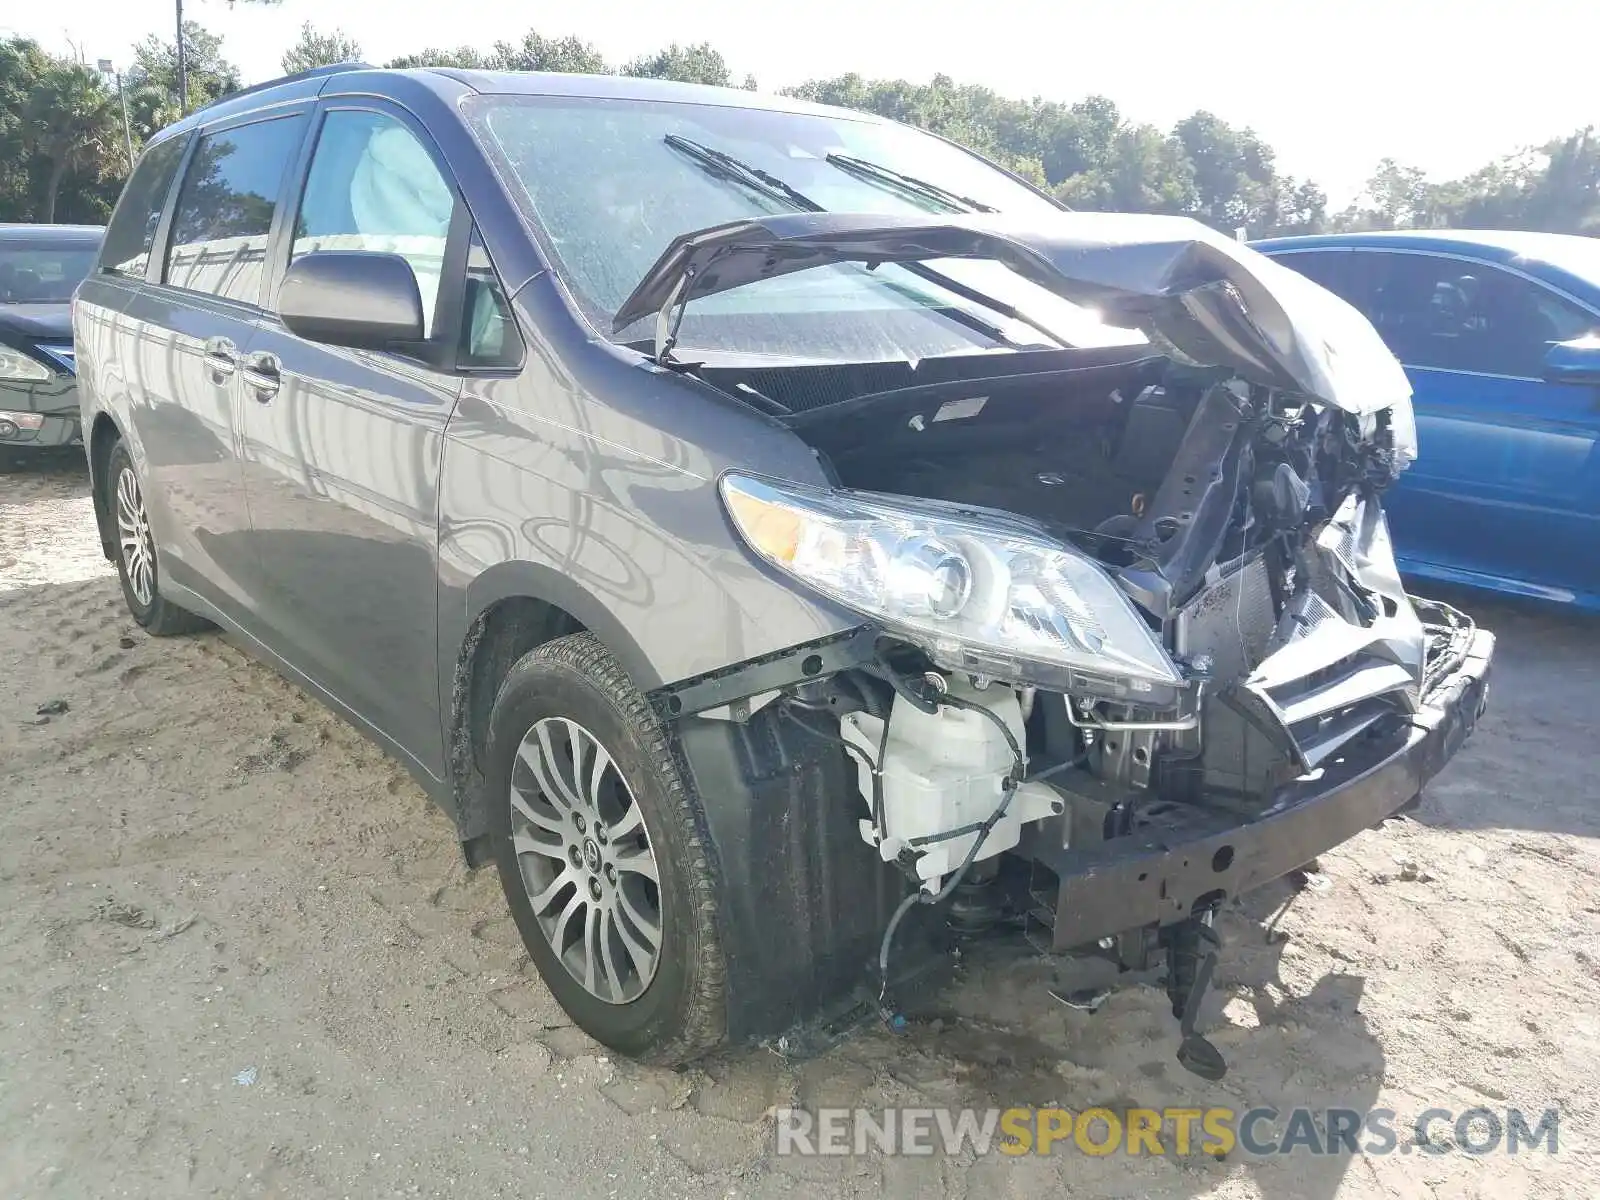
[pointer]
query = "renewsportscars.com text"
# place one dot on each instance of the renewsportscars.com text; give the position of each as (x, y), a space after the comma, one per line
(1257, 1132)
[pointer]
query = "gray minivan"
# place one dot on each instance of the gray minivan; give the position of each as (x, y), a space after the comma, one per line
(785, 543)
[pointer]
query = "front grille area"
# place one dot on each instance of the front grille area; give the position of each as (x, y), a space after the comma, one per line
(1232, 621)
(1345, 652)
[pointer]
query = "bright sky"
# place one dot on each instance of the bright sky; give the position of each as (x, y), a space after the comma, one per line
(1332, 85)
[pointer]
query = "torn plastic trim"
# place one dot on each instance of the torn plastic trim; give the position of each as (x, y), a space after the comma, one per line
(1329, 675)
(1206, 298)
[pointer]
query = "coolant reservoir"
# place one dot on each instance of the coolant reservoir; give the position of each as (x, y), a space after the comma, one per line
(942, 774)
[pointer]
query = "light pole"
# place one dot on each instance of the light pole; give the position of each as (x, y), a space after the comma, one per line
(106, 68)
(183, 66)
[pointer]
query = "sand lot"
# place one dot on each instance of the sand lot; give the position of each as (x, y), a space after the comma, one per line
(240, 955)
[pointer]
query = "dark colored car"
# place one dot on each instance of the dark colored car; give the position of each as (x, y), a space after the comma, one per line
(1500, 335)
(781, 540)
(40, 265)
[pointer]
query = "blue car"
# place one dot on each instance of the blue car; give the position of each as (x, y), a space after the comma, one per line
(1500, 336)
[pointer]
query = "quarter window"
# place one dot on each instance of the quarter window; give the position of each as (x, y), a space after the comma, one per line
(132, 232)
(489, 336)
(1333, 269)
(373, 187)
(224, 213)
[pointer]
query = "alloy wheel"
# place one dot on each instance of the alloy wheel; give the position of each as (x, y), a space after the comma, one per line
(133, 530)
(585, 859)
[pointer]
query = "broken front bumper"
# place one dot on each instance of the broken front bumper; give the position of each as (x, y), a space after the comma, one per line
(1160, 873)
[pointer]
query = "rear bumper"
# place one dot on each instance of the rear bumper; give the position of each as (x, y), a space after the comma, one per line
(1158, 875)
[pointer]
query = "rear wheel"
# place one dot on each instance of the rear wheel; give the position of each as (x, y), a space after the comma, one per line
(599, 852)
(136, 552)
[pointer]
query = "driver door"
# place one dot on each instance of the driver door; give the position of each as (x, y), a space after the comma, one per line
(342, 447)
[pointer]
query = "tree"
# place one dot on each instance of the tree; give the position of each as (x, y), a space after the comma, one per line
(61, 122)
(465, 58)
(181, 58)
(1234, 180)
(533, 53)
(686, 64)
(62, 150)
(1396, 197)
(316, 49)
(155, 71)
(537, 53)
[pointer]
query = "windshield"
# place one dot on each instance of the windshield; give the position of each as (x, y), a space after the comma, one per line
(607, 193)
(43, 274)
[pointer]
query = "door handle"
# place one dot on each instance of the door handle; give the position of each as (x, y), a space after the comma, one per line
(262, 375)
(222, 358)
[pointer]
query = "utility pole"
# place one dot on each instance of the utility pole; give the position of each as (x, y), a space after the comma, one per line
(106, 68)
(183, 65)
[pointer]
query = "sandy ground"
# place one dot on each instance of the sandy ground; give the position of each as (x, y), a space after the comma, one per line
(240, 956)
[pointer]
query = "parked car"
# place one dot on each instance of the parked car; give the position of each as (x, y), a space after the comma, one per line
(777, 537)
(40, 265)
(1500, 336)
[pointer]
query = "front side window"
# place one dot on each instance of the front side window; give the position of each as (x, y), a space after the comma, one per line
(36, 272)
(225, 208)
(132, 231)
(373, 187)
(609, 193)
(1456, 315)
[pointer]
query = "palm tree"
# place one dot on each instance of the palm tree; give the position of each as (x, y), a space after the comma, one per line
(74, 123)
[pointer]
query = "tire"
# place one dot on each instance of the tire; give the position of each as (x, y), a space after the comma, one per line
(136, 552)
(570, 695)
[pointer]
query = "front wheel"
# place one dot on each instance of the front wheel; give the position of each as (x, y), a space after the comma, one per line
(136, 552)
(600, 855)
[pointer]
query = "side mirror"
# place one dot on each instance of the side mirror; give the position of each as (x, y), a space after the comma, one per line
(1577, 361)
(342, 298)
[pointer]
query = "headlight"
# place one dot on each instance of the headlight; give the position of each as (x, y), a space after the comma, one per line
(16, 365)
(977, 597)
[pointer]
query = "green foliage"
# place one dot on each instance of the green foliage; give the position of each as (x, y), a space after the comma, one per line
(1090, 157)
(1554, 187)
(533, 53)
(686, 64)
(60, 137)
(316, 49)
(211, 76)
(61, 149)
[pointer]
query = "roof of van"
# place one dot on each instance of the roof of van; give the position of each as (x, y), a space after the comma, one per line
(451, 82)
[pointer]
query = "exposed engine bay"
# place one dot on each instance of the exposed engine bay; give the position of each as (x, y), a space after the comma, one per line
(1239, 520)
(1243, 524)
(1134, 639)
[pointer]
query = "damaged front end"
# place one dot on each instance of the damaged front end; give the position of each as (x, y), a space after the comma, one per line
(1134, 640)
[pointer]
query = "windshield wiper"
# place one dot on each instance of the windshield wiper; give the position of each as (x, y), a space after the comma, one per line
(897, 181)
(726, 166)
(754, 178)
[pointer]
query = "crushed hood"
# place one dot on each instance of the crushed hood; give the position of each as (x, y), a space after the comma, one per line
(1198, 295)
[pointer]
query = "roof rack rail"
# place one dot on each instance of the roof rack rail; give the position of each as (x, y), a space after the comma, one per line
(311, 73)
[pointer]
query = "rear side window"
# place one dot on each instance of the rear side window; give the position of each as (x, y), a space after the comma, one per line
(374, 187)
(1333, 269)
(1452, 314)
(225, 208)
(133, 226)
